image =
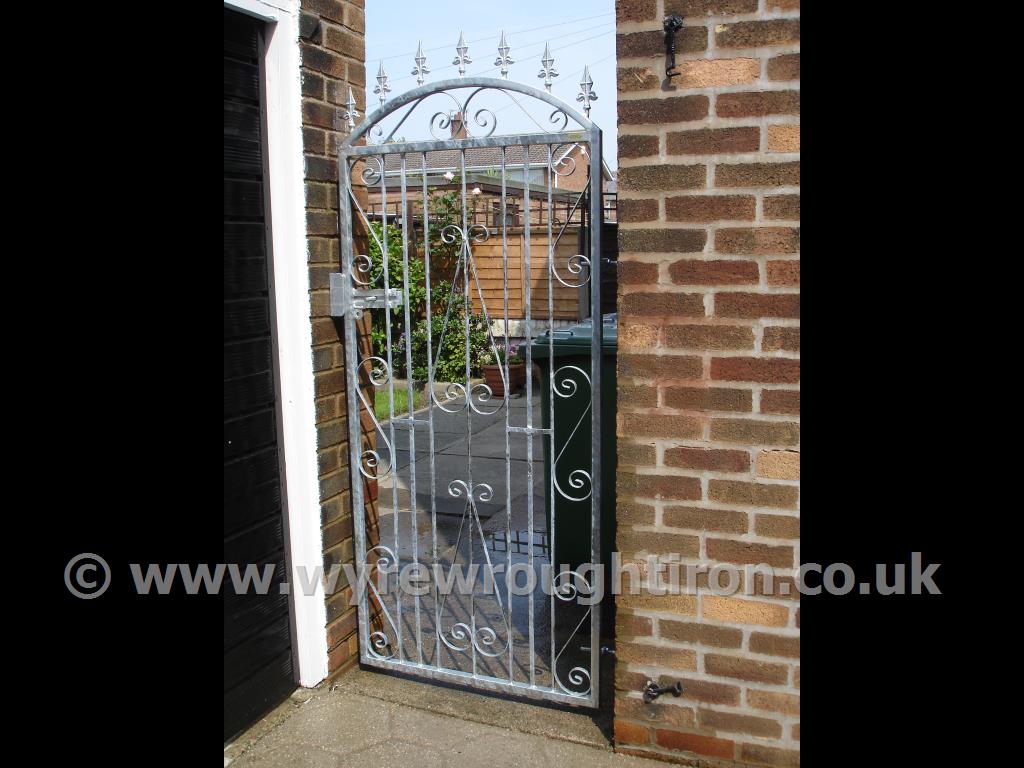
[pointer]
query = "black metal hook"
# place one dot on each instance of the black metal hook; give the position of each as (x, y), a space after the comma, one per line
(671, 24)
(652, 690)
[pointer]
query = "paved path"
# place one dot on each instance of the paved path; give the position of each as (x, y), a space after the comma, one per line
(362, 722)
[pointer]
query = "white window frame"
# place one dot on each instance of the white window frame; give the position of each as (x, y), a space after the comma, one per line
(291, 329)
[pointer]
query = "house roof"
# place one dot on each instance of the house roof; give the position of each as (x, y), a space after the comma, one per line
(481, 157)
(477, 158)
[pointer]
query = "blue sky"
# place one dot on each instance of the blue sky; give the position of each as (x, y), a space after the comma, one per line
(580, 32)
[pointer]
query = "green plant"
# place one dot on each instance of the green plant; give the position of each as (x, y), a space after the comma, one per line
(445, 210)
(491, 357)
(448, 343)
(401, 407)
(396, 279)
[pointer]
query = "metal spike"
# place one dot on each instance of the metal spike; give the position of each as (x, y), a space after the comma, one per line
(547, 70)
(586, 94)
(463, 55)
(421, 67)
(351, 113)
(503, 59)
(382, 84)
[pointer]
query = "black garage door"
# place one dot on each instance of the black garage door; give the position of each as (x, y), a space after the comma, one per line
(257, 637)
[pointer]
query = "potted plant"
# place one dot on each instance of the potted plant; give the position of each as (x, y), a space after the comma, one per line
(516, 369)
(492, 363)
(492, 373)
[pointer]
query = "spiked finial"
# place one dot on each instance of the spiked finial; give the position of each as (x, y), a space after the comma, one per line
(586, 94)
(382, 84)
(351, 113)
(421, 67)
(463, 55)
(547, 70)
(503, 59)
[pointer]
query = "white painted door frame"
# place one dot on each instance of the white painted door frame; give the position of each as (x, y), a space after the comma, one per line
(291, 329)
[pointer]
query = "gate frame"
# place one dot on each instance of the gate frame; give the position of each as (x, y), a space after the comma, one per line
(348, 148)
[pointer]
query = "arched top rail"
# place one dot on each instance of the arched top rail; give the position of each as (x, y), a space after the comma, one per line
(478, 122)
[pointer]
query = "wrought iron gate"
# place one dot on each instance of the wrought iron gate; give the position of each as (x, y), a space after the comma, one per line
(456, 476)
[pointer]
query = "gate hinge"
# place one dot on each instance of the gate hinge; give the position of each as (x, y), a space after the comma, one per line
(345, 298)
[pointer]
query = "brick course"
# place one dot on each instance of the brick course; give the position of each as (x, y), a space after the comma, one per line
(708, 374)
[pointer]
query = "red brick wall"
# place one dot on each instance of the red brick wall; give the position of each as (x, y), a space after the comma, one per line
(709, 342)
(333, 54)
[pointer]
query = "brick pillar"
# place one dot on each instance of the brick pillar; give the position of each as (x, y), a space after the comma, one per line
(709, 341)
(333, 60)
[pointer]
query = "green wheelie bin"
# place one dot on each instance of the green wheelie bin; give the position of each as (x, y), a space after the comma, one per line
(571, 350)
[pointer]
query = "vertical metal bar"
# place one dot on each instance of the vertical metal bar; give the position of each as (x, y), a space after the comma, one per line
(391, 397)
(414, 532)
(529, 392)
(551, 405)
(596, 352)
(469, 402)
(508, 415)
(430, 412)
(352, 399)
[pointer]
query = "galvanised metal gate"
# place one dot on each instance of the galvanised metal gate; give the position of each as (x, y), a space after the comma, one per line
(475, 226)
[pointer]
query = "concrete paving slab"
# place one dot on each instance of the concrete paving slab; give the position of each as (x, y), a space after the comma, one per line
(575, 725)
(515, 750)
(399, 752)
(291, 756)
(314, 724)
(369, 718)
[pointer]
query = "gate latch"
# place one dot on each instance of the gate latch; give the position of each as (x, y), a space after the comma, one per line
(345, 298)
(652, 690)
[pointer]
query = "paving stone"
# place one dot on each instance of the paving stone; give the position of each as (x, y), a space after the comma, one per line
(289, 756)
(568, 755)
(339, 724)
(498, 748)
(437, 731)
(395, 752)
(376, 719)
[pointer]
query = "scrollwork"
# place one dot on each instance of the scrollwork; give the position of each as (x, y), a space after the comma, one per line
(567, 586)
(477, 121)
(379, 374)
(579, 677)
(378, 371)
(559, 119)
(370, 174)
(482, 393)
(576, 264)
(578, 479)
(487, 120)
(378, 643)
(440, 121)
(562, 163)
(378, 640)
(480, 492)
(459, 631)
(362, 265)
(454, 392)
(478, 233)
